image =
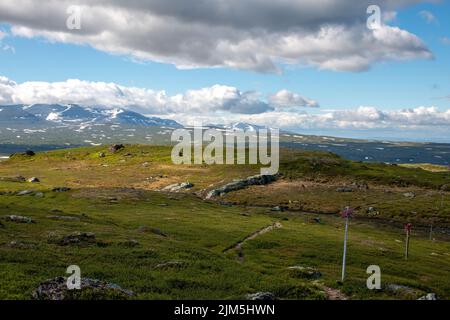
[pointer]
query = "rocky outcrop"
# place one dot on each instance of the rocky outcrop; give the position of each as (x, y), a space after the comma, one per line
(61, 189)
(19, 219)
(24, 192)
(74, 238)
(115, 147)
(429, 296)
(56, 289)
(261, 296)
(241, 184)
(178, 187)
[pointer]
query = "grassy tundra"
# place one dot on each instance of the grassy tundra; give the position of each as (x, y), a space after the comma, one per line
(165, 245)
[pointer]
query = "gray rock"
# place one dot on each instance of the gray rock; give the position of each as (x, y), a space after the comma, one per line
(317, 219)
(19, 219)
(101, 155)
(371, 211)
(24, 192)
(241, 184)
(34, 180)
(115, 147)
(429, 296)
(277, 209)
(409, 195)
(81, 238)
(261, 296)
(39, 194)
(178, 187)
(61, 189)
(19, 245)
(56, 289)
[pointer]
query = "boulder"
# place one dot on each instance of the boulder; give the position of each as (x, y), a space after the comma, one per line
(29, 153)
(80, 238)
(178, 187)
(371, 211)
(317, 219)
(56, 289)
(61, 189)
(409, 195)
(19, 245)
(18, 219)
(429, 296)
(101, 155)
(115, 147)
(261, 296)
(33, 180)
(24, 192)
(241, 184)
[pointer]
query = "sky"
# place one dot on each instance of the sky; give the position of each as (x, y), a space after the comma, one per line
(303, 65)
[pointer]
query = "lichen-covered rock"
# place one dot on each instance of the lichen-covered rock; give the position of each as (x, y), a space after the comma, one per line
(61, 189)
(115, 147)
(91, 289)
(178, 187)
(241, 184)
(19, 219)
(261, 296)
(429, 296)
(74, 238)
(24, 193)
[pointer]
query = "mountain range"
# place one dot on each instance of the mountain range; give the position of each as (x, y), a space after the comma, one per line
(75, 115)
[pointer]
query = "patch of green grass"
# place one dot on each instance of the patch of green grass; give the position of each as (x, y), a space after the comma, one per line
(185, 259)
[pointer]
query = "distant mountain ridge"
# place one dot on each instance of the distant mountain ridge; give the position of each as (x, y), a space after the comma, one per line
(73, 114)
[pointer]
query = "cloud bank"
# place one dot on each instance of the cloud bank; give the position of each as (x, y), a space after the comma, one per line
(223, 104)
(259, 35)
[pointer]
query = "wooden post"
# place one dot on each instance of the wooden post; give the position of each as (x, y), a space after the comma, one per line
(431, 232)
(408, 233)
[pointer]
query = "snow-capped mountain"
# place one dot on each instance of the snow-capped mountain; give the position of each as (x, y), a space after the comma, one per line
(72, 114)
(237, 126)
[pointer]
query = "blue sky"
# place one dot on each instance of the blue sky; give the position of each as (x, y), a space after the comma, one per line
(387, 85)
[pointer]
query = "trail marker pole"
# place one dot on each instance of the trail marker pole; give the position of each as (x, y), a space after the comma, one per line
(408, 227)
(347, 213)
